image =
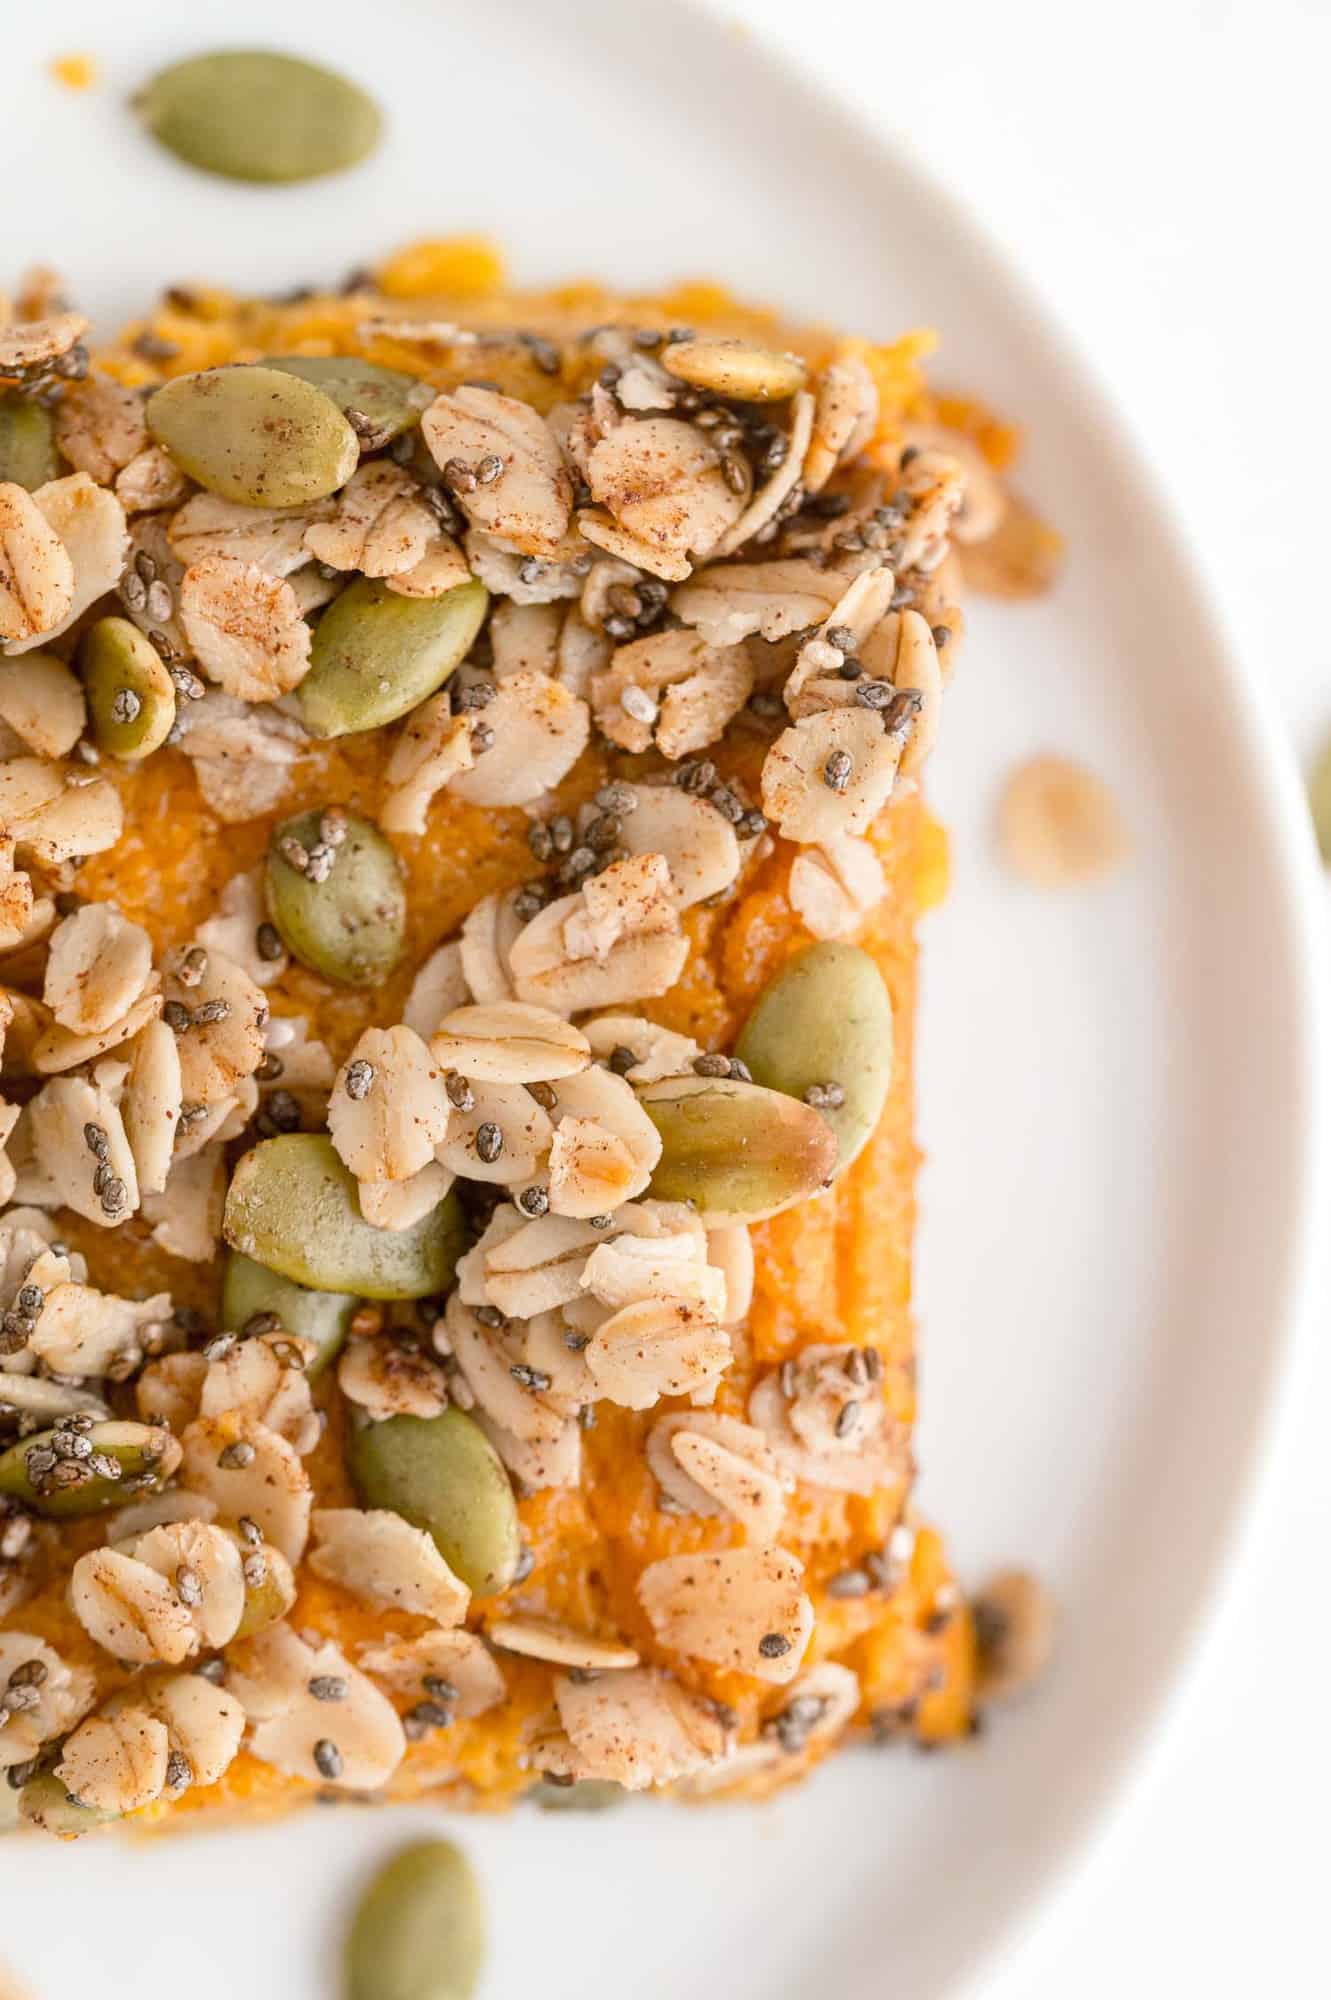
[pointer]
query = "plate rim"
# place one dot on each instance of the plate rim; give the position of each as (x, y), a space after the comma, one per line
(998, 1935)
(999, 1940)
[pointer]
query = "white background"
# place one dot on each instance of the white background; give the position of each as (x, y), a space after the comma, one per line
(1161, 169)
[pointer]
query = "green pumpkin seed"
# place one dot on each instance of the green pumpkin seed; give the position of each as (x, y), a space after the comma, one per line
(348, 923)
(585, 1795)
(143, 1452)
(419, 1928)
(44, 1802)
(131, 696)
(292, 1206)
(823, 1027)
(28, 455)
(376, 654)
(254, 435)
(379, 403)
(251, 115)
(323, 1317)
(736, 1151)
(443, 1474)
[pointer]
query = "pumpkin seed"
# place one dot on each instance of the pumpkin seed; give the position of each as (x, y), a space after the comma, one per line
(377, 654)
(341, 910)
(258, 436)
(28, 456)
(10, 1817)
(142, 1451)
(131, 696)
(443, 1474)
(44, 1802)
(292, 1206)
(584, 1795)
(1319, 800)
(388, 401)
(737, 368)
(822, 1031)
(419, 1929)
(252, 115)
(736, 1151)
(323, 1317)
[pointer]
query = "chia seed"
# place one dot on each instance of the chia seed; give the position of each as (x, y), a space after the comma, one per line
(188, 1587)
(327, 1758)
(711, 1065)
(489, 1142)
(460, 1093)
(848, 1417)
(179, 1771)
(837, 770)
(359, 1078)
(114, 1196)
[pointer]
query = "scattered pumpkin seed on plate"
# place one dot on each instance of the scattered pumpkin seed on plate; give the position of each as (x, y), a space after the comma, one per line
(418, 1932)
(257, 115)
(443, 1474)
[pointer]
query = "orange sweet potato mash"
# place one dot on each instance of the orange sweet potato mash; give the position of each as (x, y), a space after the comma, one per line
(837, 1269)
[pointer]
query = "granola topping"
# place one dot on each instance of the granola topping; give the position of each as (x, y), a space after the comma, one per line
(536, 673)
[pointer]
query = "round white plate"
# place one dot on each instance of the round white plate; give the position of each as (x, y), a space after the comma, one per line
(1116, 1083)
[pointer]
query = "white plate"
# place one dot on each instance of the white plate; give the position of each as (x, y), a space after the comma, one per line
(1116, 1084)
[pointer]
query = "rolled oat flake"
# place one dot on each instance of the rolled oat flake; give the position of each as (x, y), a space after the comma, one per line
(255, 115)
